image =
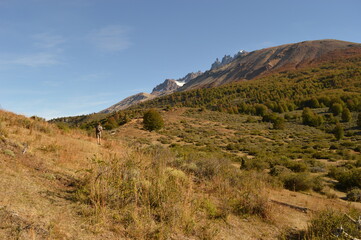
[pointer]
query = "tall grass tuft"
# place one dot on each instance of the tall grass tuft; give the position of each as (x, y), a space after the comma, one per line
(140, 192)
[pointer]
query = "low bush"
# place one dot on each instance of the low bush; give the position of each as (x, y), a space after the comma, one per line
(327, 225)
(297, 166)
(298, 181)
(255, 164)
(279, 170)
(347, 178)
(354, 195)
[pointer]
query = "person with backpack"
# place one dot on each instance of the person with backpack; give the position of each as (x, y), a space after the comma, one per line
(98, 132)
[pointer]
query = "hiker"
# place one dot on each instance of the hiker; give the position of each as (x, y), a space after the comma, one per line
(98, 132)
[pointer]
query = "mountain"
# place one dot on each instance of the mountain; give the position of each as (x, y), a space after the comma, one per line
(227, 59)
(167, 87)
(188, 77)
(129, 101)
(247, 66)
(171, 85)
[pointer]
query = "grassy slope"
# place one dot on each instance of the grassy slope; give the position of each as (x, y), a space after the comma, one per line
(37, 187)
(191, 132)
(195, 191)
(40, 196)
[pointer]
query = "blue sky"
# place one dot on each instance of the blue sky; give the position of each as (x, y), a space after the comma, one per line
(72, 57)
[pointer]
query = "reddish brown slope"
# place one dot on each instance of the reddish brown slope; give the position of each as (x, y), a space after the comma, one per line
(275, 59)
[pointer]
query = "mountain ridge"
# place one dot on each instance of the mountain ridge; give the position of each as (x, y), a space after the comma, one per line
(269, 60)
(167, 87)
(247, 66)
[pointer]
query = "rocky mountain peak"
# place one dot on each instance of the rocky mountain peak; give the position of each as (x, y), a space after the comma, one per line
(167, 86)
(227, 59)
(171, 85)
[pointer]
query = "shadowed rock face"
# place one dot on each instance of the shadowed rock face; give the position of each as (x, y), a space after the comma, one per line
(271, 60)
(171, 85)
(168, 86)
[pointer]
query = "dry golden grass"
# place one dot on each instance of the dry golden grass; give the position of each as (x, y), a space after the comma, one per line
(59, 184)
(36, 179)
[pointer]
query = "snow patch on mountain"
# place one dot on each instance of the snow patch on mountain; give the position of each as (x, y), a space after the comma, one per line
(180, 83)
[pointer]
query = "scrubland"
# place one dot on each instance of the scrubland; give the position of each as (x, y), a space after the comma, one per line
(205, 175)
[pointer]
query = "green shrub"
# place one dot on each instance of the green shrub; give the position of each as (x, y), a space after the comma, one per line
(349, 178)
(354, 195)
(270, 117)
(336, 109)
(261, 109)
(255, 164)
(310, 118)
(212, 210)
(326, 225)
(346, 115)
(111, 123)
(297, 181)
(297, 166)
(338, 132)
(279, 123)
(152, 120)
(251, 202)
(279, 170)
(63, 126)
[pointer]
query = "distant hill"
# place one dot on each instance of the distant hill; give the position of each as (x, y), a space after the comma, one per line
(129, 101)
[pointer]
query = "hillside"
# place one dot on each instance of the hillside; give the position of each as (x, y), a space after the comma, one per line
(199, 178)
(279, 92)
(273, 60)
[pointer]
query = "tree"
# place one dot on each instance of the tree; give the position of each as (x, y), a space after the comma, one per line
(310, 118)
(111, 123)
(152, 120)
(338, 131)
(346, 115)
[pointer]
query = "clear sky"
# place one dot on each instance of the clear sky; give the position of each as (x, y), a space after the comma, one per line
(72, 57)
